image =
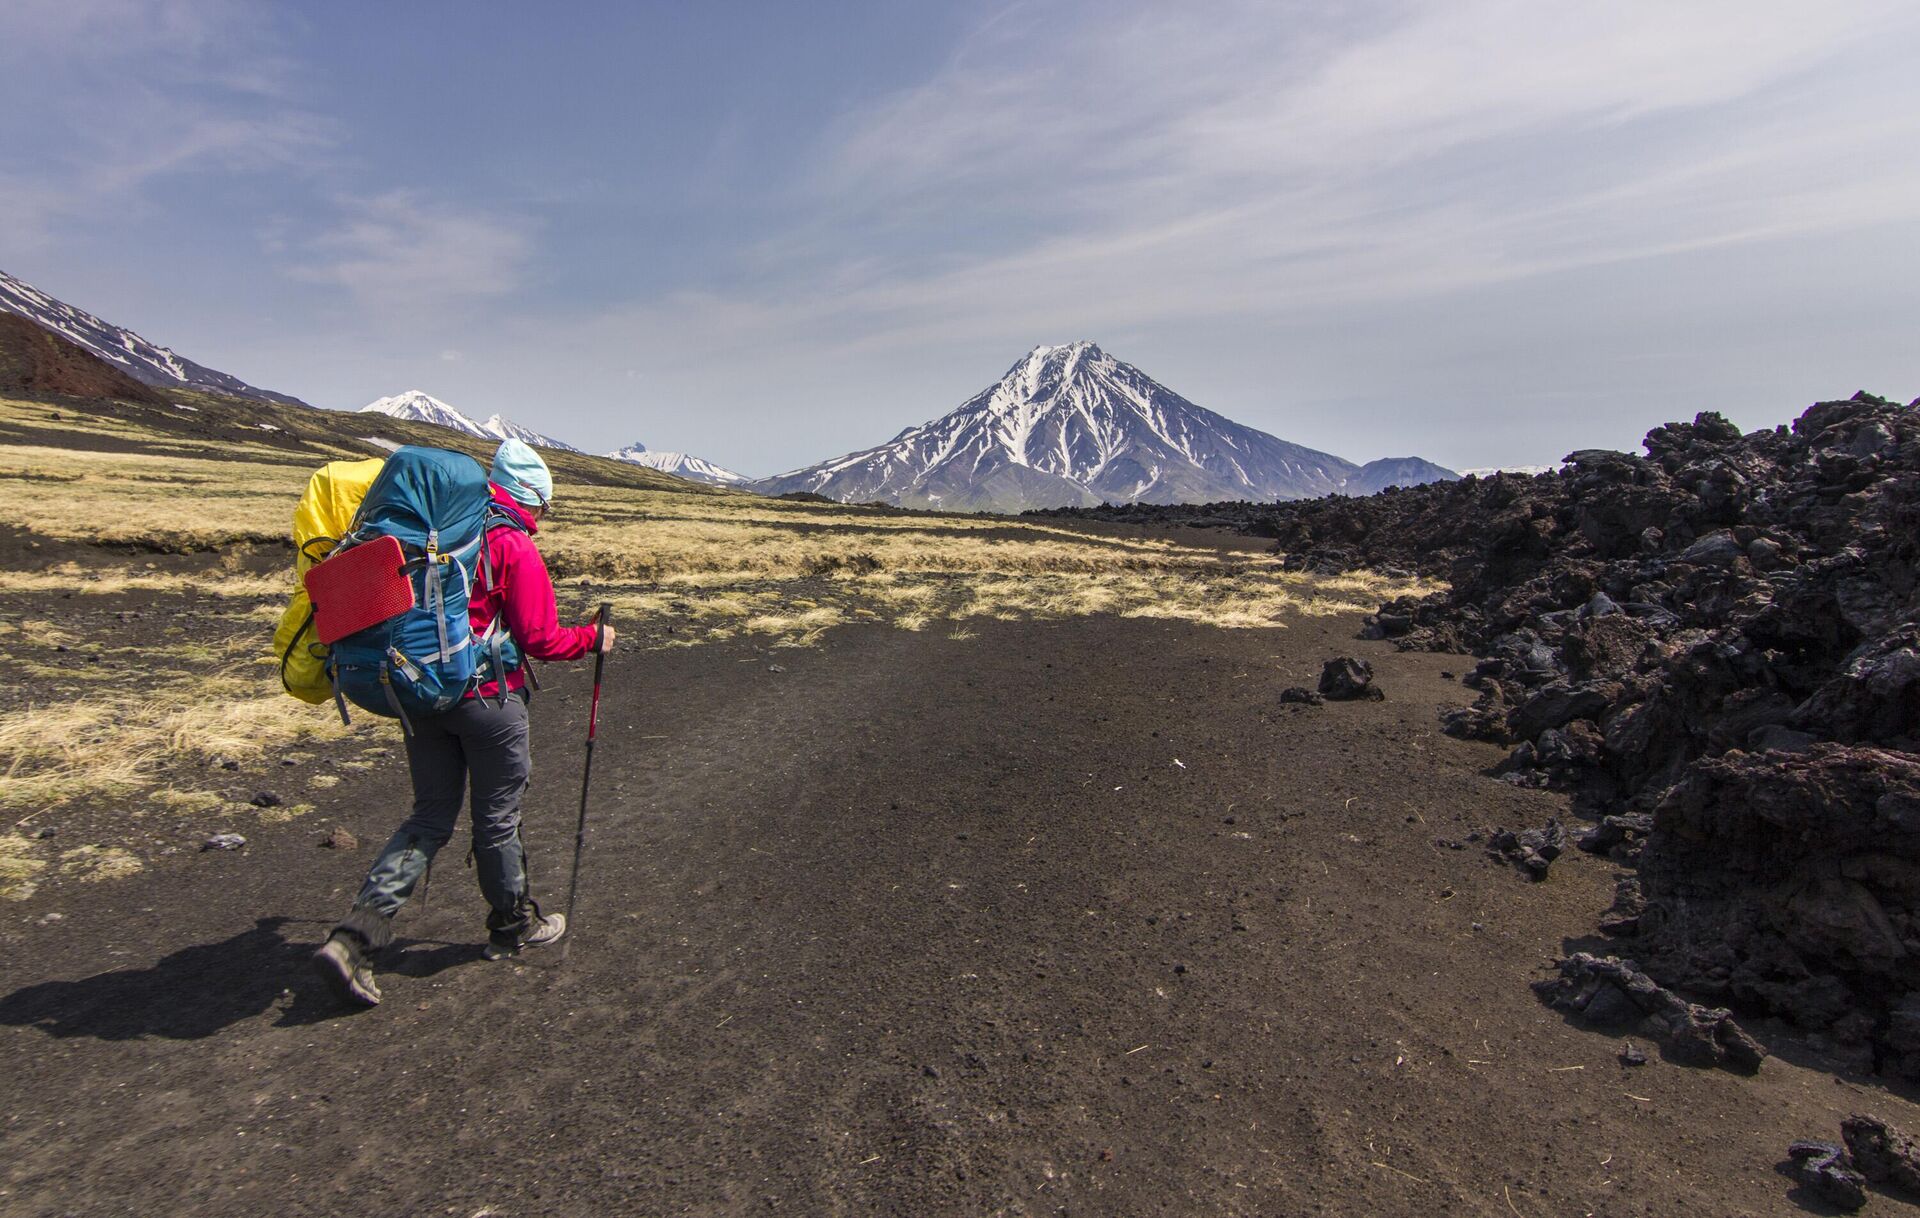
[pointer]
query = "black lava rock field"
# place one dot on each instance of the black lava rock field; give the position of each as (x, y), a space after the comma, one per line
(1719, 634)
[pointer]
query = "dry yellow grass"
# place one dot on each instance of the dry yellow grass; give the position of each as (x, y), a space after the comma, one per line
(174, 502)
(113, 745)
(85, 581)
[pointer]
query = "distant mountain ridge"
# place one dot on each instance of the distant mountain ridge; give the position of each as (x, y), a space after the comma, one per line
(146, 362)
(1071, 426)
(1377, 476)
(425, 408)
(681, 465)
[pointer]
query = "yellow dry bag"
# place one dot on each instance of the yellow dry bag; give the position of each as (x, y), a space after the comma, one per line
(323, 516)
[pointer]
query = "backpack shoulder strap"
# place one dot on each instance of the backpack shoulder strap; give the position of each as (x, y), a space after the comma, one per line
(498, 517)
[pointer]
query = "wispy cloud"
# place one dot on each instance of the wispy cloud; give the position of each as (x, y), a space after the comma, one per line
(401, 254)
(1121, 166)
(131, 93)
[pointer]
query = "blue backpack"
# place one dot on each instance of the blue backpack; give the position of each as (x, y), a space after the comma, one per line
(438, 506)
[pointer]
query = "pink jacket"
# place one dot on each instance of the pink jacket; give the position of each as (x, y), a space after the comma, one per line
(523, 592)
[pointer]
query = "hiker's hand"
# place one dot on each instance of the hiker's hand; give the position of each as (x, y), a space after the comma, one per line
(606, 637)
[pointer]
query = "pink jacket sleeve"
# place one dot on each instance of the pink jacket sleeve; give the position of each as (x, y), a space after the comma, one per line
(527, 591)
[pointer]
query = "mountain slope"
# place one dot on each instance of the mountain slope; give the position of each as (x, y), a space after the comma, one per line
(1072, 426)
(680, 465)
(144, 361)
(419, 407)
(1395, 471)
(34, 361)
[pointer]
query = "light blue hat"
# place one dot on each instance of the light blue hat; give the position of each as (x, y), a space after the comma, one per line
(520, 472)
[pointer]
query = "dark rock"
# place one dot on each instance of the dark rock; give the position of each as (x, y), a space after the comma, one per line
(1882, 1153)
(265, 799)
(1612, 992)
(1346, 679)
(1633, 1055)
(1822, 1167)
(1301, 694)
(1790, 882)
(1558, 705)
(1778, 739)
(1714, 550)
(224, 841)
(1619, 837)
(1475, 723)
(45, 832)
(1532, 850)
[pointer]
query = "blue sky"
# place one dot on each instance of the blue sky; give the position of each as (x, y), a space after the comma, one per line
(1483, 231)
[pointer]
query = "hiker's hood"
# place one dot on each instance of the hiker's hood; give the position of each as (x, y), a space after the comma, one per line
(504, 499)
(523, 473)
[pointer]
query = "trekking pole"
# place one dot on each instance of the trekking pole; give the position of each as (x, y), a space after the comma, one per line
(586, 776)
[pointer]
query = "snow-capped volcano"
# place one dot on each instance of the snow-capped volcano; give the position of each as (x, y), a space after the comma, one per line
(680, 465)
(144, 361)
(1072, 426)
(425, 408)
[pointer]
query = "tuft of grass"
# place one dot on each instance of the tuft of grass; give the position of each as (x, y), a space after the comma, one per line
(91, 864)
(186, 803)
(19, 867)
(112, 746)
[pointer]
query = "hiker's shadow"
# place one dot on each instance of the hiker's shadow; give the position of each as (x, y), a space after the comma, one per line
(200, 990)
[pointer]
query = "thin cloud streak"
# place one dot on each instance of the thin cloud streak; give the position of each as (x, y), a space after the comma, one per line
(1124, 228)
(402, 256)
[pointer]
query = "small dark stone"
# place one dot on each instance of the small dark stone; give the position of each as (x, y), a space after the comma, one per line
(1822, 1167)
(1346, 679)
(1633, 1055)
(265, 799)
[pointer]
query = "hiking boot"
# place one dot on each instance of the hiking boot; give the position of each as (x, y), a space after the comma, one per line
(342, 964)
(540, 931)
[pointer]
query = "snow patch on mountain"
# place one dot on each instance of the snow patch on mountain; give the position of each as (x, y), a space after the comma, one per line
(140, 359)
(680, 465)
(422, 407)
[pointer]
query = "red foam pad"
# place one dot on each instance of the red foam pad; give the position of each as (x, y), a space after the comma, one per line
(358, 588)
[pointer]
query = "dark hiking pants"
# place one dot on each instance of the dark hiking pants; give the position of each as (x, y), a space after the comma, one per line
(479, 745)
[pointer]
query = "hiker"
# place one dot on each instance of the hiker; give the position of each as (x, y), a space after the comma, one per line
(480, 742)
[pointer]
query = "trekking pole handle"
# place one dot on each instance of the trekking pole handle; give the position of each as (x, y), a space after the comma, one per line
(599, 665)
